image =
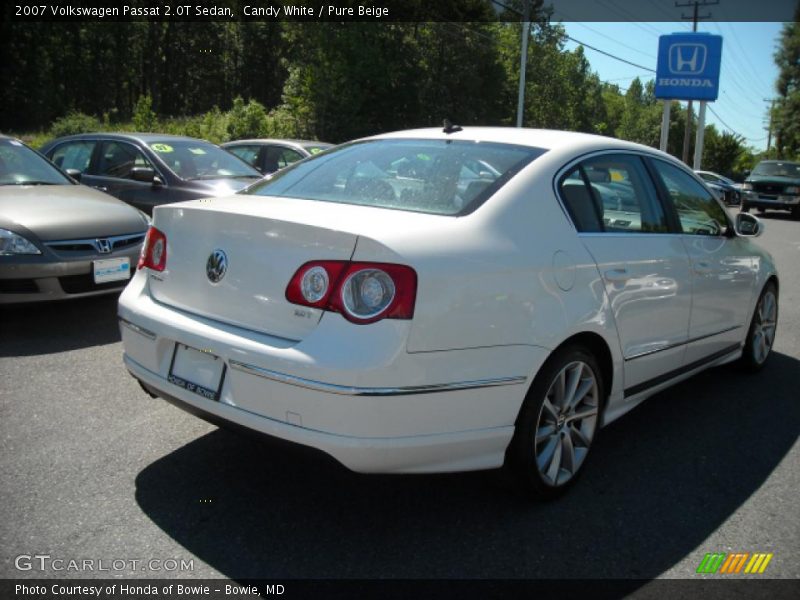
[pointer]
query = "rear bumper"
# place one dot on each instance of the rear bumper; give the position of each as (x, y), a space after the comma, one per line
(446, 452)
(350, 391)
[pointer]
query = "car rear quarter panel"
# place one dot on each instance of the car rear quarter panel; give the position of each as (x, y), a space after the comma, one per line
(513, 273)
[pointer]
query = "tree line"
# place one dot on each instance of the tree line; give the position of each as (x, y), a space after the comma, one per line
(327, 81)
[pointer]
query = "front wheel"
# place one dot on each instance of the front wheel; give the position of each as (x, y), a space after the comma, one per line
(761, 335)
(557, 424)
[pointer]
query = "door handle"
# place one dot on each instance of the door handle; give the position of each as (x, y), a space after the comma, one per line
(617, 275)
(702, 268)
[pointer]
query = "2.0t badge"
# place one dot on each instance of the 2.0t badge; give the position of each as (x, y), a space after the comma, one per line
(216, 266)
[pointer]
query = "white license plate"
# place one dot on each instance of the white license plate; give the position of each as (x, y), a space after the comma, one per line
(196, 371)
(111, 269)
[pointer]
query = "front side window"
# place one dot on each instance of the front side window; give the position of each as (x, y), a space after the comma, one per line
(446, 177)
(74, 155)
(698, 211)
(612, 193)
(118, 159)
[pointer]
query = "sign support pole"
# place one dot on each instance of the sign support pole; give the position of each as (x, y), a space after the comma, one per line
(665, 125)
(701, 130)
(687, 133)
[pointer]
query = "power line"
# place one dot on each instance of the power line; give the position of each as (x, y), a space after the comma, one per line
(616, 41)
(633, 64)
(713, 112)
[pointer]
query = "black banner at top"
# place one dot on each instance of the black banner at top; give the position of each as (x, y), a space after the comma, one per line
(394, 10)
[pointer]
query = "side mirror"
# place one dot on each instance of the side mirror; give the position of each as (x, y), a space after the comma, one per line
(748, 225)
(74, 173)
(143, 174)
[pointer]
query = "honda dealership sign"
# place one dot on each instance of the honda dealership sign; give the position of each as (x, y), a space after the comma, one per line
(688, 66)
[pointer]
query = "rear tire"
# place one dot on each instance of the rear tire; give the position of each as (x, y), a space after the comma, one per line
(796, 213)
(557, 424)
(763, 326)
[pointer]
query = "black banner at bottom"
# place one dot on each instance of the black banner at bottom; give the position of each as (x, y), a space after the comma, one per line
(386, 589)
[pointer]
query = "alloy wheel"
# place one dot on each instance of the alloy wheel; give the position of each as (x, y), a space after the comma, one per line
(764, 326)
(567, 423)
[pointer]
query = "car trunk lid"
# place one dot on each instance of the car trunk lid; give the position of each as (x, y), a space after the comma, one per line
(264, 243)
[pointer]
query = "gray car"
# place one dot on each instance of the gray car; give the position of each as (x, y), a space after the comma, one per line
(149, 169)
(59, 239)
(269, 155)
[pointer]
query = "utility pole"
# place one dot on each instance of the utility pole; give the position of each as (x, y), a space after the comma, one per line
(769, 128)
(523, 61)
(688, 130)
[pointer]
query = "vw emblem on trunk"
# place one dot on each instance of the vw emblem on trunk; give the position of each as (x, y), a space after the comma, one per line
(216, 266)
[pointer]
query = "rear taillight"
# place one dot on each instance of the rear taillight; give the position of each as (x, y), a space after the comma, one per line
(362, 292)
(154, 251)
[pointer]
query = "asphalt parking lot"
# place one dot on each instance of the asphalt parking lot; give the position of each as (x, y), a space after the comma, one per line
(92, 468)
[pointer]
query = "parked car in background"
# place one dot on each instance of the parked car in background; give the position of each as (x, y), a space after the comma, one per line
(727, 189)
(774, 185)
(447, 300)
(268, 155)
(148, 169)
(59, 239)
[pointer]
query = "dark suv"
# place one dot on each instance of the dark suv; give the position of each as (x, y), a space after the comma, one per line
(773, 184)
(148, 169)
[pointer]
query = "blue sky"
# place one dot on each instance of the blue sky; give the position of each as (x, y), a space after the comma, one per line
(747, 76)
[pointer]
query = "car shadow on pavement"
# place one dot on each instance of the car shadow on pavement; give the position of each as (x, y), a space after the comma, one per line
(660, 481)
(46, 328)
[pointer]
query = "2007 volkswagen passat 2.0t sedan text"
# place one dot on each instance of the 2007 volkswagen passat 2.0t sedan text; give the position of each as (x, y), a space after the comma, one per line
(446, 300)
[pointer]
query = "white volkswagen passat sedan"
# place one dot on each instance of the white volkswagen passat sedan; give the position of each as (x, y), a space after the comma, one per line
(447, 300)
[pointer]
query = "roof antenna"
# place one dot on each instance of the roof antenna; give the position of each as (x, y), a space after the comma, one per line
(449, 127)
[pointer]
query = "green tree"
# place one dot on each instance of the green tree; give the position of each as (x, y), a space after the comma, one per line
(246, 120)
(144, 118)
(786, 115)
(721, 152)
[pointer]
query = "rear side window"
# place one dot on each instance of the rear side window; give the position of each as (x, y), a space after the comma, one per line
(73, 155)
(612, 193)
(118, 159)
(248, 154)
(447, 177)
(278, 157)
(698, 211)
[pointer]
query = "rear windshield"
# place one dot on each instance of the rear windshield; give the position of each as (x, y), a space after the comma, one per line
(778, 169)
(444, 177)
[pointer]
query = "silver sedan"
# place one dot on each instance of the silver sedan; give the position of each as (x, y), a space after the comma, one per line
(59, 239)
